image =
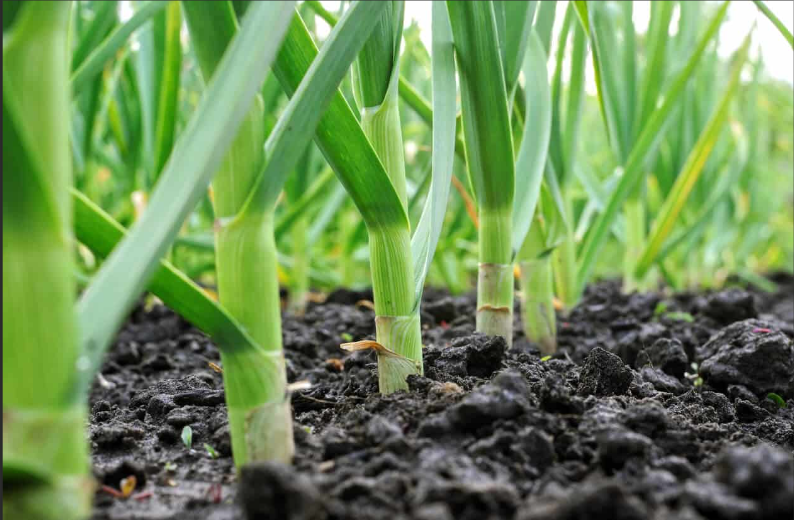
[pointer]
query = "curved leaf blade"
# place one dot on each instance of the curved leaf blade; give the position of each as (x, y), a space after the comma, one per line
(340, 137)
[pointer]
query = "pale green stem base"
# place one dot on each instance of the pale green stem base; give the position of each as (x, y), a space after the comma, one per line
(540, 323)
(397, 323)
(405, 332)
(495, 301)
(256, 387)
(495, 274)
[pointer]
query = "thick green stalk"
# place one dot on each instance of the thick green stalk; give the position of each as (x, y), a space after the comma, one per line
(489, 157)
(537, 306)
(246, 267)
(246, 263)
(397, 323)
(376, 75)
(45, 462)
(381, 125)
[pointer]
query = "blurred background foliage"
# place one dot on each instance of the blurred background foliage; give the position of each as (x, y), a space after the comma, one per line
(125, 121)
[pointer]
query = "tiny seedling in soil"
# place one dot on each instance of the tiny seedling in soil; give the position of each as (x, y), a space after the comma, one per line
(187, 437)
(680, 316)
(777, 399)
(210, 451)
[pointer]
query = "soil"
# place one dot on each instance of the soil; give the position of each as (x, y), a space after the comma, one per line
(619, 424)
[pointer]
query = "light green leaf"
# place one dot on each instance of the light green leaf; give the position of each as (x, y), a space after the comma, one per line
(486, 124)
(340, 138)
(428, 231)
(169, 88)
(534, 146)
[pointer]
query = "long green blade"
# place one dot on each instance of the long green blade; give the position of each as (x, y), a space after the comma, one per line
(661, 14)
(169, 88)
(101, 23)
(428, 231)
(685, 182)
(614, 92)
(195, 158)
(633, 170)
(486, 124)
(534, 143)
(517, 27)
(544, 23)
(557, 141)
(340, 138)
(89, 68)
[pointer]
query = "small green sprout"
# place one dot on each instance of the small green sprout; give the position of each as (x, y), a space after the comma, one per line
(661, 310)
(680, 316)
(211, 451)
(345, 336)
(545, 358)
(777, 399)
(694, 376)
(187, 437)
(170, 467)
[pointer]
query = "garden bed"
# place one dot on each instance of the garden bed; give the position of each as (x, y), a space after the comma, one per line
(613, 426)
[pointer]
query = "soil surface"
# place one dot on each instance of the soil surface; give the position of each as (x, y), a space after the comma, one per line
(655, 407)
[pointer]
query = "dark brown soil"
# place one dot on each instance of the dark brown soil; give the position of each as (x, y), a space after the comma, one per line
(615, 426)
